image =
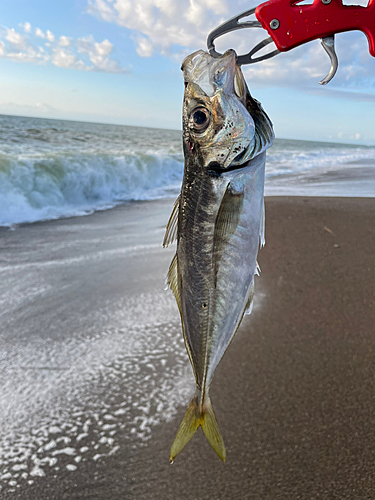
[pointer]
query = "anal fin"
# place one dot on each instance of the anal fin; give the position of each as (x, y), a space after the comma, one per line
(250, 298)
(262, 229)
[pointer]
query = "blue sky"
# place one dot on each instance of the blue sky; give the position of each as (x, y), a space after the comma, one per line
(118, 61)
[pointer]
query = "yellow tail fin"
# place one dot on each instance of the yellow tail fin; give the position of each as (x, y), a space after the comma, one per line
(190, 424)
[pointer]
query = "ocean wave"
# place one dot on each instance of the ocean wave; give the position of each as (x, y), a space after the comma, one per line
(41, 185)
(49, 186)
(297, 157)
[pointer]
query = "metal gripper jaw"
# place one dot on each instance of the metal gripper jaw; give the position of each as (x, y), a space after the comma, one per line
(233, 24)
(329, 46)
(290, 23)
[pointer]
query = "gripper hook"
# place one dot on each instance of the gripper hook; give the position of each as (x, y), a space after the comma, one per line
(328, 44)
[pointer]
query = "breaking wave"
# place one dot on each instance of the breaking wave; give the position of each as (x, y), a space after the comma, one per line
(49, 186)
(55, 168)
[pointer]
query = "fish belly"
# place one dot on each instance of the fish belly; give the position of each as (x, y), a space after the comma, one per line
(236, 267)
(217, 261)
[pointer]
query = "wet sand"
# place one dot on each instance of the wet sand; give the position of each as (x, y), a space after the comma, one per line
(294, 394)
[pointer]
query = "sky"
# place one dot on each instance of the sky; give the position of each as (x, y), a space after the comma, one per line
(118, 61)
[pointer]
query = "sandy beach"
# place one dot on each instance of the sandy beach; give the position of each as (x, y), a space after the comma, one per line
(293, 395)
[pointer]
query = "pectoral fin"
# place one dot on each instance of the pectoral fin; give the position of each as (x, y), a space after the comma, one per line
(228, 218)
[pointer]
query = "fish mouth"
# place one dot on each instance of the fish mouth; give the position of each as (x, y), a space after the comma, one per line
(215, 169)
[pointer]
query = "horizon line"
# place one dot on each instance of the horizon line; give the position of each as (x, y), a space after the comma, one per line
(175, 130)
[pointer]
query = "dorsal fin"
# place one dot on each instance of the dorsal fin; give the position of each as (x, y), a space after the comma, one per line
(171, 229)
(264, 134)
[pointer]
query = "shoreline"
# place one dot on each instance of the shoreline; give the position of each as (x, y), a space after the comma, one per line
(165, 201)
(293, 394)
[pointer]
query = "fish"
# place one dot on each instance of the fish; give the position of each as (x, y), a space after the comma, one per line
(218, 222)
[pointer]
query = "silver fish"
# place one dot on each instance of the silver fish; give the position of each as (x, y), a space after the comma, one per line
(218, 221)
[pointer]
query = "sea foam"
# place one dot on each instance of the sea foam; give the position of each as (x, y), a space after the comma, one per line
(44, 187)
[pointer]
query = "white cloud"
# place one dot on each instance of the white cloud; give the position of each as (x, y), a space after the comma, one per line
(104, 48)
(175, 28)
(20, 108)
(14, 38)
(102, 9)
(163, 22)
(145, 47)
(50, 36)
(98, 55)
(63, 59)
(195, 13)
(85, 54)
(64, 41)
(29, 54)
(26, 27)
(40, 33)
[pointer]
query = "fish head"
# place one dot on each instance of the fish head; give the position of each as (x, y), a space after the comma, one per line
(222, 124)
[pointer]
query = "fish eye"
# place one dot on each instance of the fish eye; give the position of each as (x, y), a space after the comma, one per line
(200, 119)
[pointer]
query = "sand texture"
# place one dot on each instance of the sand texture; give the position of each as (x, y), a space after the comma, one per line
(293, 395)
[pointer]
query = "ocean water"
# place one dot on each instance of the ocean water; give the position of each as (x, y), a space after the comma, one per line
(56, 168)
